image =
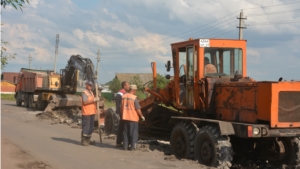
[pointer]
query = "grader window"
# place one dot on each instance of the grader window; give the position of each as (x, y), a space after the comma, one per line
(182, 61)
(222, 61)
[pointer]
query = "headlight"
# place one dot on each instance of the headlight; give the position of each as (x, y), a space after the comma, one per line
(256, 131)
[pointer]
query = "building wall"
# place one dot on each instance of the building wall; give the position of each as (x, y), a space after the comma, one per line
(9, 76)
(7, 87)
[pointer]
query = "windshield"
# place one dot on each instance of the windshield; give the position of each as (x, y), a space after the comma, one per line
(80, 81)
(222, 61)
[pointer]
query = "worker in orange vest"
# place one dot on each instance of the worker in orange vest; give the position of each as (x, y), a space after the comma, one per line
(88, 113)
(131, 111)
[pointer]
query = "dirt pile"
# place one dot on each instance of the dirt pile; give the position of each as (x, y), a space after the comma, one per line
(67, 116)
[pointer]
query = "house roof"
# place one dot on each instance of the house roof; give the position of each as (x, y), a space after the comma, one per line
(145, 77)
(6, 81)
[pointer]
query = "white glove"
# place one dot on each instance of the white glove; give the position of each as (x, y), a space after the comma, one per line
(96, 99)
(143, 118)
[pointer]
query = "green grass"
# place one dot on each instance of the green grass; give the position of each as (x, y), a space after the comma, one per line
(108, 104)
(8, 97)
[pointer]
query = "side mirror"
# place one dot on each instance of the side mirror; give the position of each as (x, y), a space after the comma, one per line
(168, 77)
(168, 66)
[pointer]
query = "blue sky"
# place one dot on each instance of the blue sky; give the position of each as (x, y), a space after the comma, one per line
(131, 34)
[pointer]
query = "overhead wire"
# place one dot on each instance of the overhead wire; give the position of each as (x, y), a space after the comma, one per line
(104, 70)
(197, 33)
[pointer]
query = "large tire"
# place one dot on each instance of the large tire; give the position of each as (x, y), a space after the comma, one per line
(111, 121)
(18, 102)
(212, 149)
(182, 140)
(41, 104)
(26, 100)
(292, 151)
(31, 102)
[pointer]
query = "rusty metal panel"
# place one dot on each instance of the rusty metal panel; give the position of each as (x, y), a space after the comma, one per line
(236, 101)
(238, 115)
(236, 97)
(264, 100)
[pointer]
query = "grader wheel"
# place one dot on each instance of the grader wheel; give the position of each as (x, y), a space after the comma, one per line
(182, 140)
(212, 149)
(111, 121)
(292, 151)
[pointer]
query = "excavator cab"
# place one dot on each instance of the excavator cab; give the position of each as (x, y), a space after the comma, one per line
(196, 60)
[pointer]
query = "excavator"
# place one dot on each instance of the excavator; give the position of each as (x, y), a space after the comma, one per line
(212, 112)
(46, 90)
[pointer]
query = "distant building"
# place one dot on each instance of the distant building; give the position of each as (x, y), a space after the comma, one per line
(8, 80)
(7, 87)
(145, 77)
(10, 76)
(105, 89)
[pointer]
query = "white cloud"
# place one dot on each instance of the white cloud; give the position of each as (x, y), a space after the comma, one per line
(131, 34)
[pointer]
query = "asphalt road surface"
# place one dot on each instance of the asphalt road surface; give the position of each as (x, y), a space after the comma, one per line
(58, 146)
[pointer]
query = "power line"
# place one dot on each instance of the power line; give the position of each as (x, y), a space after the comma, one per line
(274, 13)
(104, 70)
(176, 35)
(272, 5)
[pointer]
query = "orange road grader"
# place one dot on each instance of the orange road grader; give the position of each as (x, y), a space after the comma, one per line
(212, 112)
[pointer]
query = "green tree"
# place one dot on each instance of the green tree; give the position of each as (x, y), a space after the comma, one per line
(16, 4)
(115, 85)
(5, 58)
(161, 82)
(138, 82)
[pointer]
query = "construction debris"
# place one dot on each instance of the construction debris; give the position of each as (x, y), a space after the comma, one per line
(70, 117)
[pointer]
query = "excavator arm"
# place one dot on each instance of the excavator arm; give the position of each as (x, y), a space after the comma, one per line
(69, 74)
(70, 79)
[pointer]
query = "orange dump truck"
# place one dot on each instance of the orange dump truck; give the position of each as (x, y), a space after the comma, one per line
(31, 84)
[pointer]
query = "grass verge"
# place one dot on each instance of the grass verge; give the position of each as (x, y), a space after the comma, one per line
(8, 97)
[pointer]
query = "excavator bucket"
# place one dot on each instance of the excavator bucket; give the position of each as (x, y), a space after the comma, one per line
(59, 101)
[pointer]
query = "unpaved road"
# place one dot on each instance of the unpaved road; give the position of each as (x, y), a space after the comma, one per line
(58, 147)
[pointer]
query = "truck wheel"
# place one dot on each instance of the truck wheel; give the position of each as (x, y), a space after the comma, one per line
(111, 121)
(212, 149)
(41, 104)
(31, 102)
(182, 140)
(292, 151)
(18, 102)
(26, 100)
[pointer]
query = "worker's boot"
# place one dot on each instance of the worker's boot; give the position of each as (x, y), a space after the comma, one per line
(89, 140)
(84, 141)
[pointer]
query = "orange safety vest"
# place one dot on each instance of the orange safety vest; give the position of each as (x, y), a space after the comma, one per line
(129, 113)
(89, 109)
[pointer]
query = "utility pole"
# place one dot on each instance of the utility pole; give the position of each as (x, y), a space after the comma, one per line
(98, 60)
(98, 94)
(241, 24)
(56, 51)
(29, 60)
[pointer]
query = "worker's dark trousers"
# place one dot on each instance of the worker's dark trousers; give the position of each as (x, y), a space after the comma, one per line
(87, 125)
(120, 132)
(130, 133)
